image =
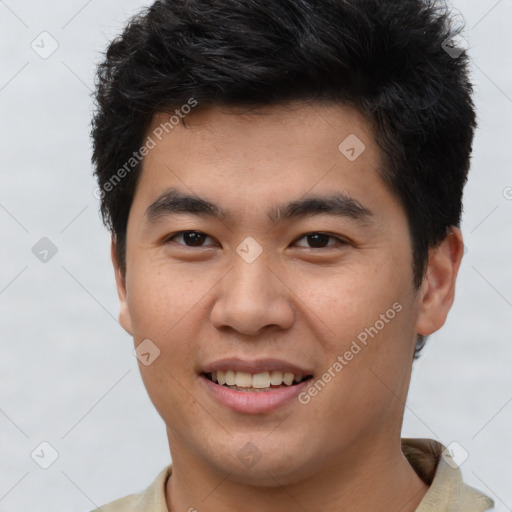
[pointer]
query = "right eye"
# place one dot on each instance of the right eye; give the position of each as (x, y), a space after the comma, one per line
(190, 238)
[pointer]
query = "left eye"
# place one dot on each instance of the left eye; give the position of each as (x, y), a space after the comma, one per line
(194, 237)
(317, 240)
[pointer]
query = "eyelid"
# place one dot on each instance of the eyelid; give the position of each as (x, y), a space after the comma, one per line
(340, 240)
(168, 239)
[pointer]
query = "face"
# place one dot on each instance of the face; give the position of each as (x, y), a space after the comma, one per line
(290, 256)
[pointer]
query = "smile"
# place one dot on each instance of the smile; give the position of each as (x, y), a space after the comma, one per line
(254, 393)
(254, 382)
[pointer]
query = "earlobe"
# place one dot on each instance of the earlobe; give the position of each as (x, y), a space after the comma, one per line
(124, 312)
(438, 288)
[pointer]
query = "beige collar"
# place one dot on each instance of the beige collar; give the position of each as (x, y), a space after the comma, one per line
(447, 492)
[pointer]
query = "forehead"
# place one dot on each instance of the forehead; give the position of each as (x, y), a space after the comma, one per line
(274, 137)
(282, 128)
(247, 158)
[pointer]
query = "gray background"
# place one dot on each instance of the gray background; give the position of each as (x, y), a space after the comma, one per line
(67, 373)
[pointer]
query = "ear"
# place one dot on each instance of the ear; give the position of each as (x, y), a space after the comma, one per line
(124, 312)
(438, 288)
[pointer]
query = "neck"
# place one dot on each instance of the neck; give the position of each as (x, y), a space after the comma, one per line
(369, 479)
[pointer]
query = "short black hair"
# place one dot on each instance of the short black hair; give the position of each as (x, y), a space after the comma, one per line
(393, 60)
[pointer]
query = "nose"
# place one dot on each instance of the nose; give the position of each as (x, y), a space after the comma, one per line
(252, 297)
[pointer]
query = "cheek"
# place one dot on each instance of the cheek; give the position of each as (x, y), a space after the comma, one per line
(168, 305)
(349, 301)
(366, 319)
(162, 302)
(160, 297)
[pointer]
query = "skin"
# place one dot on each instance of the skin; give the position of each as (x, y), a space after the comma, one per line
(298, 302)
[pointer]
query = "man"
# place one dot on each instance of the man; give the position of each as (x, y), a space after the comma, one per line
(283, 182)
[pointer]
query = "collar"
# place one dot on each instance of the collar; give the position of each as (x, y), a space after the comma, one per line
(430, 459)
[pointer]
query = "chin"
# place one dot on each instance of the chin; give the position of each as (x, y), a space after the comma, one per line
(260, 465)
(262, 474)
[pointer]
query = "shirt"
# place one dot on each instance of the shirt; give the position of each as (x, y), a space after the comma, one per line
(431, 461)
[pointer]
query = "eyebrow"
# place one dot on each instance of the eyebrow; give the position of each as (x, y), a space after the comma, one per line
(337, 204)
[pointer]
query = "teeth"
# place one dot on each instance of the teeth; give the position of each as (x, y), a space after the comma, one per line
(276, 378)
(288, 378)
(261, 380)
(257, 380)
(243, 380)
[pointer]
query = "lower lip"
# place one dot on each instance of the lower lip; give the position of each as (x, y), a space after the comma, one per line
(253, 402)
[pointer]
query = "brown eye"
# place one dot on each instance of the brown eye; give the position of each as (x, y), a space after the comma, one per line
(320, 240)
(190, 238)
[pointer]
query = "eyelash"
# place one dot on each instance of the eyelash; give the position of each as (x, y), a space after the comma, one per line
(338, 239)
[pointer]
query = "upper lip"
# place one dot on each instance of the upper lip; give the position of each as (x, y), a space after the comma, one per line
(255, 366)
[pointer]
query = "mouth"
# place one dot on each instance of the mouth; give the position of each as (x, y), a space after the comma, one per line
(267, 381)
(257, 386)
